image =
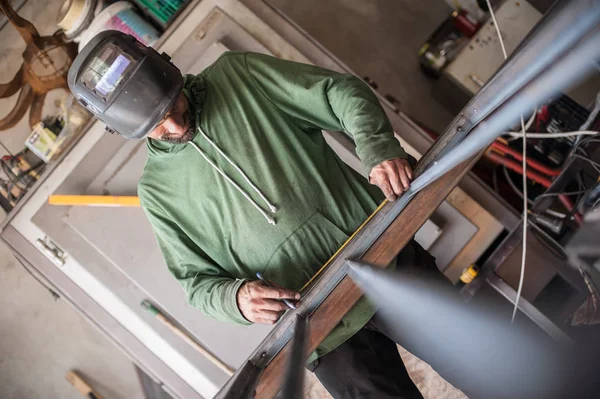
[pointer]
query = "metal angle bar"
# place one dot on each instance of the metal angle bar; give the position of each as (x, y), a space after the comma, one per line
(244, 385)
(292, 387)
(531, 311)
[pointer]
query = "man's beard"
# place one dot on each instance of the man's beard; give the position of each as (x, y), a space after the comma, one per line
(187, 136)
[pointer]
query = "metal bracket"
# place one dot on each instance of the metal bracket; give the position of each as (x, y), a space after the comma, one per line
(51, 250)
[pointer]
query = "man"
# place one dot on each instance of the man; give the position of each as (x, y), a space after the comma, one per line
(240, 180)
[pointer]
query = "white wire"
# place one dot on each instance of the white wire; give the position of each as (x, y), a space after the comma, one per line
(272, 207)
(531, 119)
(497, 29)
(524, 135)
(554, 135)
(525, 217)
(512, 185)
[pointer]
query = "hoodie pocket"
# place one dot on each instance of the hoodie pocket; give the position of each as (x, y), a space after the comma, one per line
(304, 252)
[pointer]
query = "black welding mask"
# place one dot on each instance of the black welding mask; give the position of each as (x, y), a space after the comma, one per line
(128, 86)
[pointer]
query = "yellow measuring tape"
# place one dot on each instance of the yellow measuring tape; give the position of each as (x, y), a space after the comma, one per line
(343, 246)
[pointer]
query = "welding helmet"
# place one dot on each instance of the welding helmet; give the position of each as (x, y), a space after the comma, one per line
(128, 86)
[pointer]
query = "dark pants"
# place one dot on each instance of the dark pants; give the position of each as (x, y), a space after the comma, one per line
(368, 364)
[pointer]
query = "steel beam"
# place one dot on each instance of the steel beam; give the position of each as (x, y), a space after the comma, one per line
(293, 383)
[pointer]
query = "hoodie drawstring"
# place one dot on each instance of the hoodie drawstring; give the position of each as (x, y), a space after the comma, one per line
(272, 207)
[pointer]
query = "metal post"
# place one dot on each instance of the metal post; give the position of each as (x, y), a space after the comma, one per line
(293, 383)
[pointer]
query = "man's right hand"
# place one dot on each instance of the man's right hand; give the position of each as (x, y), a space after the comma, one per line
(261, 304)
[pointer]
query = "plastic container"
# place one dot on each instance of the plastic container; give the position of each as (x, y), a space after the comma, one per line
(75, 16)
(122, 17)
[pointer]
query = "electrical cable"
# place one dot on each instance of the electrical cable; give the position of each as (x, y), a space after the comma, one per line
(584, 141)
(525, 218)
(517, 167)
(557, 194)
(512, 184)
(530, 162)
(538, 178)
(524, 162)
(529, 123)
(5, 149)
(531, 119)
(554, 135)
(594, 164)
(549, 242)
(489, 5)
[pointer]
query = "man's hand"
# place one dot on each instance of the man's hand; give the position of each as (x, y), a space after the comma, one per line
(261, 304)
(392, 177)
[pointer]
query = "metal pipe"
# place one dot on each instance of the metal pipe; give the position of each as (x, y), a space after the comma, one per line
(563, 73)
(555, 34)
(293, 383)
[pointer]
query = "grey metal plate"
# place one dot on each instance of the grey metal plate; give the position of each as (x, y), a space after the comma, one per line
(457, 232)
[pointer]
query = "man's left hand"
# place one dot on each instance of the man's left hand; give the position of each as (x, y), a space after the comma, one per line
(392, 177)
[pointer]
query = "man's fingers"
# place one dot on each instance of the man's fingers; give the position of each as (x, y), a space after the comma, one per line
(405, 180)
(279, 293)
(396, 180)
(385, 186)
(270, 304)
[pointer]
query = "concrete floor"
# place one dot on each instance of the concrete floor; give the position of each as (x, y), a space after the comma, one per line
(42, 338)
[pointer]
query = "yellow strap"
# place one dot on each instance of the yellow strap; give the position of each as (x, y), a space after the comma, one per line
(343, 246)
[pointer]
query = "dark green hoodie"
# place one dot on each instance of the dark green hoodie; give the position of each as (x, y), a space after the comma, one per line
(259, 122)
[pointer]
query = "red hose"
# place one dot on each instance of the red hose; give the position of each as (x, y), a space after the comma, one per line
(516, 167)
(535, 176)
(530, 162)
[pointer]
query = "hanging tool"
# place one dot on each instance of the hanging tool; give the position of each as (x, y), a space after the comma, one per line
(153, 310)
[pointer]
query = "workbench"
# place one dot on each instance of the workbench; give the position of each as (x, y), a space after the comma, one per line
(105, 261)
